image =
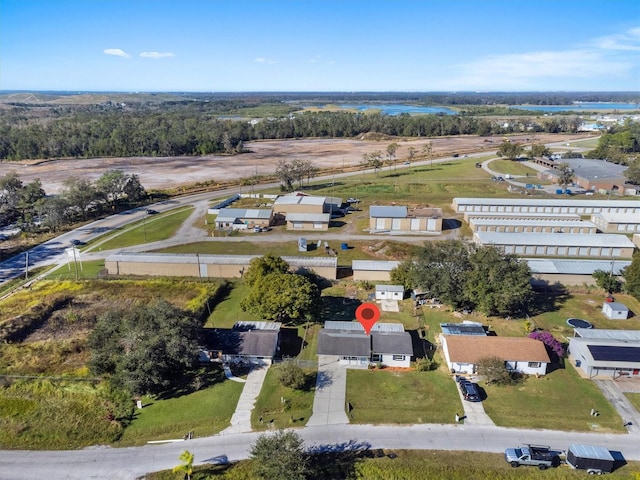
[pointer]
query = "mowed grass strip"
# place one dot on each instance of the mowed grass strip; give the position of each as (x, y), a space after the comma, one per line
(560, 400)
(276, 414)
(402, 397)
(152, 229)
(205, 412)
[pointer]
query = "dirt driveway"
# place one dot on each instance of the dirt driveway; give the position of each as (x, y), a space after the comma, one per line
(261, 158)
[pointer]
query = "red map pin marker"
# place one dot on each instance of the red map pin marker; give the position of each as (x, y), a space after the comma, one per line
(368, 314)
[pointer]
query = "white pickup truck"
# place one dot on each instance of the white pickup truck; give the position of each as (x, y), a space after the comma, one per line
(535, 455)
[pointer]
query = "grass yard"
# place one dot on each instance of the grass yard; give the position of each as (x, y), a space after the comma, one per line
(634, 398)
(227, 311)
(294, 412)
(406, 465)
(513, 168)
(560, 400)
(77, 270)
(404, 397)
(205, 412)
(152, 229)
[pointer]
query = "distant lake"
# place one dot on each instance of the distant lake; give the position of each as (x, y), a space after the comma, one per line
(395, 108)
(586, 106)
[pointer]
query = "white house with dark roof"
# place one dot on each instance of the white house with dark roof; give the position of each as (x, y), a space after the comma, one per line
(615, 310)
(389, 292)
(388, 344)
(250, 342)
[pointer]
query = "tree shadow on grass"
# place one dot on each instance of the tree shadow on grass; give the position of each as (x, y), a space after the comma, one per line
(335, 308)
(194, 380)
(548, 298)
(338, 460)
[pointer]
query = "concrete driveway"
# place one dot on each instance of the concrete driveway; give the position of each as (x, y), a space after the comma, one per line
(241, 418)
(628, 413)
(331, 390)
(474, 413)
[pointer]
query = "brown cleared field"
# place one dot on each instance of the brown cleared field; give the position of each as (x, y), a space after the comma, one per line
(159, 173)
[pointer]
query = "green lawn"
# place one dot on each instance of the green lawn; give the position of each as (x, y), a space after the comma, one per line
(406, 465)
(152, 229)
(294, 412)
(227, 311)
(560, 400)
(77, 269)
(634, 398)
(205, 412)
(513, 168)
(404, 397)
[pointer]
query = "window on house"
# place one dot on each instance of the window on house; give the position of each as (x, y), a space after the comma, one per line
(534, 364)
(376, 357)
(398, 357)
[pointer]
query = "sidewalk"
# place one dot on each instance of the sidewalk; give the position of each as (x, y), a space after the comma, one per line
(331, 389)
(241, 419)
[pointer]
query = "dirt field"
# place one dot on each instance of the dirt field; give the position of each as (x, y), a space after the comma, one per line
(262, 158)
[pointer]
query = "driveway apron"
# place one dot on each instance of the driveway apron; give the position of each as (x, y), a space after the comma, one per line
(474, 413)
(331, 389)
(630, 416)
(241, 419)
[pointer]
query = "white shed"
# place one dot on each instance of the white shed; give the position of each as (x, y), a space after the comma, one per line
(389, 292)
(615, 310)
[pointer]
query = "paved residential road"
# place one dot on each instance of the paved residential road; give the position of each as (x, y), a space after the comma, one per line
(130, 463)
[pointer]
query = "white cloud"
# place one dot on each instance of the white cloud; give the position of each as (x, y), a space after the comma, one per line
(320, 59)
(629, 40)
(116, 52)
(156, 55)
(264, 60)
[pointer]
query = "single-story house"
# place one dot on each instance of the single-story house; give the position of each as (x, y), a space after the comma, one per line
(388, 344)
(615, 310)
(394, 219)
(389, 292)
(308, 221)
(520, 354)
(243, 218)
(609, 353)
(373, 270)
(250, 342)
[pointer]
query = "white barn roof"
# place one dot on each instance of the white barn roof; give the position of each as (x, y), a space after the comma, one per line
(357, 327)
(563, 239)
(575, 267)
(380, 211)
(374, 265)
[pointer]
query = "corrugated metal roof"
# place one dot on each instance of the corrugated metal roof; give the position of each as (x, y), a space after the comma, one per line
(263, 214)
(389, 288)
(602, 334)
(575, 267)
(546, 202)
(249, 325)
(309, 217)
(591, 451)
(532, 216)
(357, 327)
(533, 222)
(618, 217)
(380, 211)
(374, 265)
(561, 239)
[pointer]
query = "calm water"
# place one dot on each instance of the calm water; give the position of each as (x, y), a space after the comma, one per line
(396, 108)
(587, 106)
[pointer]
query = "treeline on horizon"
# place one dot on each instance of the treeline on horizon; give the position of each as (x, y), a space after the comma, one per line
(175, 126)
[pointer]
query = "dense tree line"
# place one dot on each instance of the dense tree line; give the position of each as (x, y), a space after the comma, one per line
(28, 206)
(198, 132)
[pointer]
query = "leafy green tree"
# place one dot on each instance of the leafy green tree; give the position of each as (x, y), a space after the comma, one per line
(79, 194)
(375, 160)
(632, 277)
(280, 456)
(10, 188)
(633, 172)
(510, 150)
(111, 185)
(289, 374)
(285, 173)
(565, 175)
(540, 150)
(285, 297)
(497, 283)
(494, 370)
(260, 267)
(186, 467)
(441, 269)
(145, 348)
(405, 274)
(607, 281)
(412, 153)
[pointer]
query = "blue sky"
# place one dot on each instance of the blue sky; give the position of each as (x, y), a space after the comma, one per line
(348, 45)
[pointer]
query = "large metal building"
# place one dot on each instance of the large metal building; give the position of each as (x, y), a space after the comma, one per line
(542, 205)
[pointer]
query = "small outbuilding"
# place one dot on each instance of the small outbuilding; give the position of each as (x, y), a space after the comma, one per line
(615, 310)
(389, 292)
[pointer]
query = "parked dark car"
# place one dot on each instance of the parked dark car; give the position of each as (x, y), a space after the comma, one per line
(151, 211)
(469, 391)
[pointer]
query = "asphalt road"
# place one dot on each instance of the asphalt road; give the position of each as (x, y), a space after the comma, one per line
(130, 463)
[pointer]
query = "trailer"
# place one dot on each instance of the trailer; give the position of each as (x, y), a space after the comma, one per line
(595, 459)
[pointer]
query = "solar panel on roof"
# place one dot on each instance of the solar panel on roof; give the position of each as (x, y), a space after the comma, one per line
(610, 353)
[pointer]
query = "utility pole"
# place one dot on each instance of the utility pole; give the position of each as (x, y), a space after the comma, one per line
(26, 266)
(75, 261)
